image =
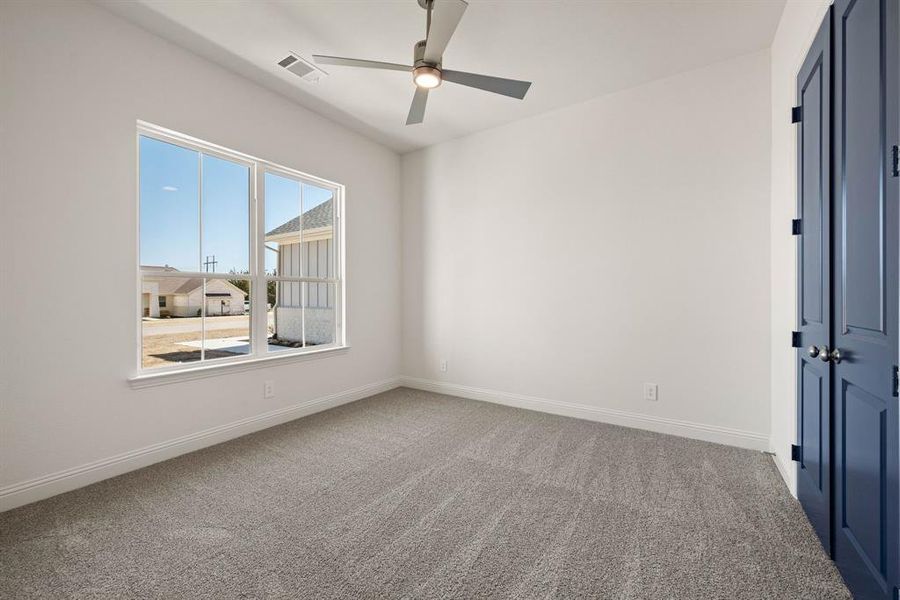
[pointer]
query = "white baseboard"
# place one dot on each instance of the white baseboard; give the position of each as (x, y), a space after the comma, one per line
(698, 431)
(784, 471)
(33, 490)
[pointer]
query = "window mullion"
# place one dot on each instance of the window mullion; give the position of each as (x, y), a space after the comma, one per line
(304, 264)
(203, 321)
(200, 256)
(200, 211)
(304, 290)
(260, 290)
(337, 254)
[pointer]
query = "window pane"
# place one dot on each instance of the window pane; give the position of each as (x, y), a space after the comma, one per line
(170, 210)
(286, 316)
(317, 240)
(303, 315)
(170, 335)
(319, 313)
(227, 320)
(282, 220)
(226, 216)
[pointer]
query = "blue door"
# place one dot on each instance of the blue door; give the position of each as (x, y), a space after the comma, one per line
(814, 289)
(864, 297)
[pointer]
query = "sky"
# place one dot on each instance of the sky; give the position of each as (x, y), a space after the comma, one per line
(170, 208)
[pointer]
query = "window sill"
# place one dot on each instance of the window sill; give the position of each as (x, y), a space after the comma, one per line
(189, 374)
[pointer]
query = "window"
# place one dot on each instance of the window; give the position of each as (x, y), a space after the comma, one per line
(300, 261)
(243, 255)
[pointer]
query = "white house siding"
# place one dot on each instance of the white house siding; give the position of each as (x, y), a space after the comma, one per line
(189, 305)
(150, 299)
(165, 304)
(220, 306)
(314, 259)
(181, 306)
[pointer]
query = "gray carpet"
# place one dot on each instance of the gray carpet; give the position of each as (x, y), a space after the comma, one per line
(416, 495)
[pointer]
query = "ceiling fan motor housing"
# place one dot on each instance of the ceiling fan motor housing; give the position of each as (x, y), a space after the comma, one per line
(424, 71)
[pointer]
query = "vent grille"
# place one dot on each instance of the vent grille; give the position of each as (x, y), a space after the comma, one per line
(303, 69)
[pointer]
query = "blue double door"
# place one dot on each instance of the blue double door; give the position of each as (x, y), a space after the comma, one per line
(848, 435)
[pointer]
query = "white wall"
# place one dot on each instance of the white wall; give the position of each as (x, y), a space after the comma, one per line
(74, 79)
(577, 254)
(798, 26)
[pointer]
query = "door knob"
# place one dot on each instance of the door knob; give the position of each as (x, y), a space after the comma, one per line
(813, 351)
(826, 355)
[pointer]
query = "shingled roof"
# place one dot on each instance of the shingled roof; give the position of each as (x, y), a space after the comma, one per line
(318, 216)
(177, 285)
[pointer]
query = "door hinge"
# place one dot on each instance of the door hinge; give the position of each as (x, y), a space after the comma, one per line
(796, 453)
(796, 226)
(796, 114)
(895, 382)
(796, 342)
(895, 161)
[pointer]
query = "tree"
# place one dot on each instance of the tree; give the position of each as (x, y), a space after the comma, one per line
(244, 285)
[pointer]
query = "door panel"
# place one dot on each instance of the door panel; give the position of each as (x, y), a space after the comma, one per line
(814, 209)
(865, 329)
(812, 437)
(812, 95)
(862, 437)
(861, 120)
(814, 478)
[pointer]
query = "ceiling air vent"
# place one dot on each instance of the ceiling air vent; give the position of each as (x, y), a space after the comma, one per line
(303, 69)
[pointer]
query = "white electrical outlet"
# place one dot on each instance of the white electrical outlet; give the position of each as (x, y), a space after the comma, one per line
(443, 365)
(651, 392)
(269, 389)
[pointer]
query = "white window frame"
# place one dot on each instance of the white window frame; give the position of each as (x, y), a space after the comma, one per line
(259, 353)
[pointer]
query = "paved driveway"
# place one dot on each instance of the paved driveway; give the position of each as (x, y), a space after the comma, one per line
(189, 324)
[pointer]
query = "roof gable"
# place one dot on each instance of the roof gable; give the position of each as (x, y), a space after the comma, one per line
(315, 218)
(168, 286)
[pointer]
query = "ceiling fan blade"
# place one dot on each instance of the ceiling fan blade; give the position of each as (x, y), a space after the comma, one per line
(508, 87)
(417, 109)
(445, 16)
(356, 62)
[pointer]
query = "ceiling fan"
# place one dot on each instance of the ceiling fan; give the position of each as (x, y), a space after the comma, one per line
(427, 69)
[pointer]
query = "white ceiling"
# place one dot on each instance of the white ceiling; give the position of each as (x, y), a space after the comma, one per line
(571, 50)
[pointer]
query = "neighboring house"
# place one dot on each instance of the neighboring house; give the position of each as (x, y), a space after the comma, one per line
(314, 257)
(183, 296)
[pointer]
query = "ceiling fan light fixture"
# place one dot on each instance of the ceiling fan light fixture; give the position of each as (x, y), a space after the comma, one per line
(428, 60)
(427, 77)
